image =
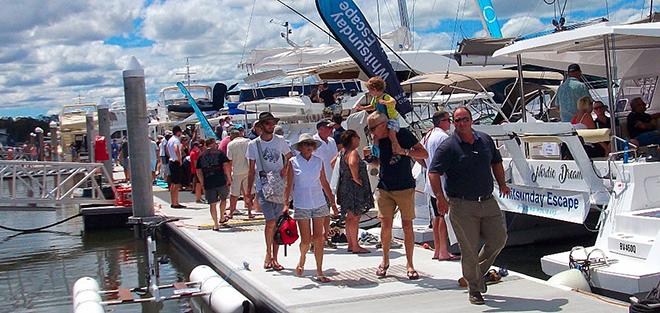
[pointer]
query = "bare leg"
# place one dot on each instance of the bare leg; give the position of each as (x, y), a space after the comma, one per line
(232, 205)
(440, 239)
(408, 242)
(214, 215)
(353, 240)
(174, 194)
(318, 237)
(386, 239)
(305, 242)
(269, 232)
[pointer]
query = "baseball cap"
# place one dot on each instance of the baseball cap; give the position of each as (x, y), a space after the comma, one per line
(324, 123)
(574, 68)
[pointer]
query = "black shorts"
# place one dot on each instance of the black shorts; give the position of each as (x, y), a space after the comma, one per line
(216, 194)
(176, 173)
(434, 205)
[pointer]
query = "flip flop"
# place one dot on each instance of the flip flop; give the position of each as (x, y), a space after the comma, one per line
(382, 270)
(322, 279)
(361, 252)
(268, 265)
(451, 258)
(412, 275)
(277, 267)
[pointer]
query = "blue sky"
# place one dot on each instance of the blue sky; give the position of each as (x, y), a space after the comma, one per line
(55, 50)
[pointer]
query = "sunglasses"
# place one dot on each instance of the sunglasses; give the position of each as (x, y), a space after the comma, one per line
(376, 126)
(462, 119)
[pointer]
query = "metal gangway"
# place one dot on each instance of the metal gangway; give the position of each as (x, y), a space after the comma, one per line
(52, 184)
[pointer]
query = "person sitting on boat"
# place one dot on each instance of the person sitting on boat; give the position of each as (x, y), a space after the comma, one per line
(570, 91)
(602, 120)
(306, 179)
(326, 95)
(583, 120)
(385, 104)
(641, 126)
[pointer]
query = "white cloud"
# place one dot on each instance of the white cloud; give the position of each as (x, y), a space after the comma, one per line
(522, 25)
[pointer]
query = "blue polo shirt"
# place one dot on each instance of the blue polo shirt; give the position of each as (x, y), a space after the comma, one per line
(466, 166)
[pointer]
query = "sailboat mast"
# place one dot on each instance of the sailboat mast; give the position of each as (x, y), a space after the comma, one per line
(405, 24)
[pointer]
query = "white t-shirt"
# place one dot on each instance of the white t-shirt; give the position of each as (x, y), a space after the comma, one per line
(153, 149)
(272, 153)
(174, 141)
(431, 143)
(327, 151)
(163, 146)
(236, 150)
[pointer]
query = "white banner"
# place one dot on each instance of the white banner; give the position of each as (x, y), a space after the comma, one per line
(565, 205)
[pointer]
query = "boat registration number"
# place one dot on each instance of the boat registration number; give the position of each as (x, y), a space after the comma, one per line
(627, 247)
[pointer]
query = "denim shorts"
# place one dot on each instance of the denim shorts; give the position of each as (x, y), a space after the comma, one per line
(305, 214)
(271, 210)
(393, 124)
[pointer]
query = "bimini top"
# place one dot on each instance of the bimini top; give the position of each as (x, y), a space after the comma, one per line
(470, 81)
(585, 46)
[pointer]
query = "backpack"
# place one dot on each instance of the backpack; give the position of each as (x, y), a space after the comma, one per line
(286, 231)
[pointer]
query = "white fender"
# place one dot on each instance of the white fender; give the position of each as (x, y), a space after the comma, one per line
(572, 278)
(86, 296)
(222, 297)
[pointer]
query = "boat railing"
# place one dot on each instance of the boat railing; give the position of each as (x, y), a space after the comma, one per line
(52, 184)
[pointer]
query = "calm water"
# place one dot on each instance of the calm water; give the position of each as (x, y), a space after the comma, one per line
(38, 270)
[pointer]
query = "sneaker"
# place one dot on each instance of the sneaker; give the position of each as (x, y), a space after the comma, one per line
(203, 201)
(329, 244)
(476, 298)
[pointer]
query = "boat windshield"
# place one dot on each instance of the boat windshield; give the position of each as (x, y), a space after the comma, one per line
(197, 92)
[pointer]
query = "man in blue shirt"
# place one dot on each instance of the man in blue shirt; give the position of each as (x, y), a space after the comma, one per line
(570, 91)
(469, 159)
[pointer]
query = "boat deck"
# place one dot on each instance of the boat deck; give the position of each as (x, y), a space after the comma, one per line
(354, 286)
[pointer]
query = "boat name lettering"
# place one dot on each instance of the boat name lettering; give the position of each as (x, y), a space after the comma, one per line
(543, 198)
(360, 36)
(565, 173)
(628, 247)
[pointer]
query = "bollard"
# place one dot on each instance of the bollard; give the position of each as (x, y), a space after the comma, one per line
(103, 112)
(89, 123)
(137, 122)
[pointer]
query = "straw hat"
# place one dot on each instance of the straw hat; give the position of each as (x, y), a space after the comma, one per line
(304, 138)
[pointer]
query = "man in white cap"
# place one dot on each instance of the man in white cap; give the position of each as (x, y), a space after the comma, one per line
(327, 151)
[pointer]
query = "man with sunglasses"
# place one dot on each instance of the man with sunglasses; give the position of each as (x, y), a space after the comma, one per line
(268, 153)
(469, 159)
(432, 140)
(396, 188)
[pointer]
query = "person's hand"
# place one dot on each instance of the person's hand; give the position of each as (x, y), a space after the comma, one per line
(443, 206)
(504, 190)
(335, 210)
(248, 201)
(286, 207)
(283, 172)
(228, 182)
(358, 182)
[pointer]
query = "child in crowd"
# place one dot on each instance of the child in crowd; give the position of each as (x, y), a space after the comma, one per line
(385, 103)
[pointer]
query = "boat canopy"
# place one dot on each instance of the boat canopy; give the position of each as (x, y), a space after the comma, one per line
(469, 81)
(634, 44)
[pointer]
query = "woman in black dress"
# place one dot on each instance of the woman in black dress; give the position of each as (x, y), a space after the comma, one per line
(354, 190)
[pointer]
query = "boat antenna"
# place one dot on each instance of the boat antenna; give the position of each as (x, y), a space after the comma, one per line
(187, 73)
(333, 37)
(285, 34)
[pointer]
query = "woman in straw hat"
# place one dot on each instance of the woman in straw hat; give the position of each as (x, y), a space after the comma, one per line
(306, 179)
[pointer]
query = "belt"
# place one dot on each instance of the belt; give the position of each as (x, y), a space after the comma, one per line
(478, 198)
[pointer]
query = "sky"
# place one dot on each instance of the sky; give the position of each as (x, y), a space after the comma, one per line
(57, 52)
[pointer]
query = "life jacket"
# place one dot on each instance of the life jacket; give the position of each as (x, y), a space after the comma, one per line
(286, 231)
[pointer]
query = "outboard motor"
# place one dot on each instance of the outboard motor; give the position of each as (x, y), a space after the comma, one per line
(219, 92)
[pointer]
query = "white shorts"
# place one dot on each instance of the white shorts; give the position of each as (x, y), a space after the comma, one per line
(238, 183)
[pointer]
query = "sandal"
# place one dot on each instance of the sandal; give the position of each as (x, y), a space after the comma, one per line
(382, 270)
(268, 265)
(322, 279)
(412, 275)
(277, 267)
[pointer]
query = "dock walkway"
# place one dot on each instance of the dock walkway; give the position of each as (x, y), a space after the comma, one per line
(354, 286)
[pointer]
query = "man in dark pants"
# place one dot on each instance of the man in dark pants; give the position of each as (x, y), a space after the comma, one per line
(396, 189)
(467, 159)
